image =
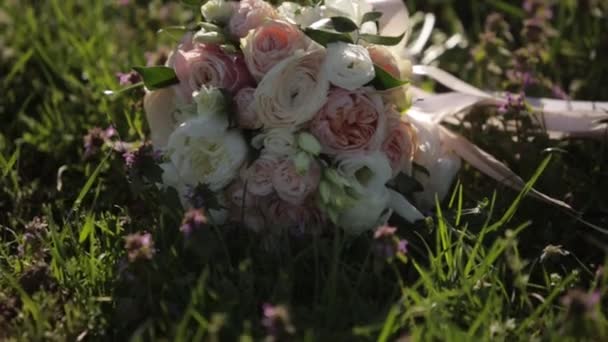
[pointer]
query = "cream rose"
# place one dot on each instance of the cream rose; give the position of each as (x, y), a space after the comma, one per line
(250, 14)
(160, 106)
(280, 142)
(246, 115)
(203, 152)
(293, 91)
(348, 66)
(350, 121)
(271, 43)
(292, 186)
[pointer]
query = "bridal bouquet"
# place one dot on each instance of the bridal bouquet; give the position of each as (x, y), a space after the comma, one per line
(298, 118)
(294, 118)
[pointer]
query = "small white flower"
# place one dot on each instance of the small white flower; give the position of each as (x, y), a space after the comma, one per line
(218, 11)
(210, 102)
(202, 151)
(300, 15)
(348, 66)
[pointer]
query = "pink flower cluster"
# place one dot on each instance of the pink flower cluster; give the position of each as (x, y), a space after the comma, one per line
(286, 102)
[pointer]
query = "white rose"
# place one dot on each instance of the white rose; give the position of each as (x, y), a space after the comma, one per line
(218, 11)
(348, 66)
(293, 91)
(365, 171)
(202, 151)
(279, 142)
(171, 178)
(369, 212)
(368, 174)
(441, 164)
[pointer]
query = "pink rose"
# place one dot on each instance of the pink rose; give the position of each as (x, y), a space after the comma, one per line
(243, 207)
(270, 44)
(210, 65)
(249, 15)
(259, 176)
(247, 116)
(400, 143)
(384, 58)
(304, 218)
(292, 186)
(350, 121)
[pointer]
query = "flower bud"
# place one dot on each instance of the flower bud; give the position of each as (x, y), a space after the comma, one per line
(217, 11)
(208, 37)
(308, 143)
(302, 162)
(210, 101)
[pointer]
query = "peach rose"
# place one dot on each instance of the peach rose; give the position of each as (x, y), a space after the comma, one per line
(293, 187)
(243, 207)
(259, 175)
(210, 65)
(400, 143)
(270, 44)
(350, 121)
(249, 15)
(384, 58)
(299, 219)
(247, 117)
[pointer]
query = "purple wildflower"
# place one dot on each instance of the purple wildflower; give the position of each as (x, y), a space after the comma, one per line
(138, 156)
(129, 78)
(277, 322)
(387, 243)
(514, 103)
(139, 246)
(193, 220)
(95, 139)
(581, 304)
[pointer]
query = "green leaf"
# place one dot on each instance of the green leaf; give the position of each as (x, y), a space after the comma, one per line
(324, 37)
(384, 80)
(371, 16)
(343, 24)
(382, 40)
(157, 77)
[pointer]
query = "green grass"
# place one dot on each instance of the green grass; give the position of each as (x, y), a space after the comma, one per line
(473, 271)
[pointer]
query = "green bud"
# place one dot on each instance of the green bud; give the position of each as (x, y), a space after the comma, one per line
(324, 191)
(302, 162)
(208, 37)
(217, 11)
(309, 143)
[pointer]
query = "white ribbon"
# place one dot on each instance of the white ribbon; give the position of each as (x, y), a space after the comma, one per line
(560, 118)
